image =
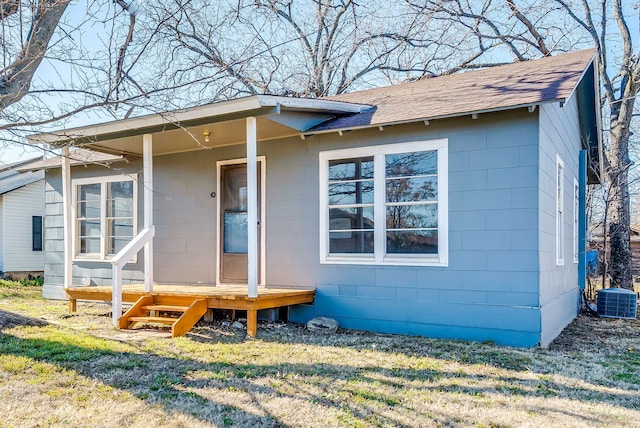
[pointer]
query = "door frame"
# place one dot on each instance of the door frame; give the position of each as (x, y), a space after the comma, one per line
(262, 160)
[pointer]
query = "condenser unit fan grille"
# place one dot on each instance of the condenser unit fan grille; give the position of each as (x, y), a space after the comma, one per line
(617, 303)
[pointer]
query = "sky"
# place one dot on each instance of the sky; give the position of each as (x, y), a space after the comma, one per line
(76, 10)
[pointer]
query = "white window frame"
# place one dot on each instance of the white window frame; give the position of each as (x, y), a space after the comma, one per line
(379, 256)
(102, 256)
(560, 211)
(576, 226)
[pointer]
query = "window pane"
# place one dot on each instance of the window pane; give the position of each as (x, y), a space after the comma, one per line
(90, 245)
(412, 216)
(89, 209)
(412, 189)
(117, 244)
(360, 192)
(351, 218)
(351, 169)
(351, 242)
(121, 189)
(120, 208)
(120, 199)
(89, 227)
(121, 228)
(89, 192)
(235, 232)
(411, 164)
(412, 242)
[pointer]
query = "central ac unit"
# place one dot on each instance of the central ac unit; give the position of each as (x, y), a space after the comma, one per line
(617, 303)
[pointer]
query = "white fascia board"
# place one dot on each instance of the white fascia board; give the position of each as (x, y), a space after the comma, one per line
(312, 104)
(148, 121)
(247, 104)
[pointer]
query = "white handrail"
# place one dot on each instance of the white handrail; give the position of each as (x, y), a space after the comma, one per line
(135, 245)
(119, 261)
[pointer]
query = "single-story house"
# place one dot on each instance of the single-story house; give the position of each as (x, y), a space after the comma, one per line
(447, 207)
(21, 220)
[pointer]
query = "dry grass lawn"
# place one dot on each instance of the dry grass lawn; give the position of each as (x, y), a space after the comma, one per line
(58, 370)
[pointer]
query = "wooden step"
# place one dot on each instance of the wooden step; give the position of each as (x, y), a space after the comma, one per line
(165, 308)
(189, 318)
(135, 311)
(160, 320)
(180, 325)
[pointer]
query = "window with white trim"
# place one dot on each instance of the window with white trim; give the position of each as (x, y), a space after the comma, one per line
(105, 215)
(559, 211)
(385, 204)
(576, 226)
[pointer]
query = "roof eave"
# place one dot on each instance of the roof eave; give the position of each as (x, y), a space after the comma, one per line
(429, 118)
(255, 105)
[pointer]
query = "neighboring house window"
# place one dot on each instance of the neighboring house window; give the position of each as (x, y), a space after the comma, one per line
(576, 204)
(559, 211)
(36, 233)
(385, 204)
(105, 215)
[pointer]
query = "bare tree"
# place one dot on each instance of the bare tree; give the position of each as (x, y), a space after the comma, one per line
(527, 29)
(298, 47)
(61, 59)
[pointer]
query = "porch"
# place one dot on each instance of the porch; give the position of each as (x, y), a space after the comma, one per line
(190, 300)
(213, 230)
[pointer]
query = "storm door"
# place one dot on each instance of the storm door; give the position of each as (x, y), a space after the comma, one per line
(233, 223)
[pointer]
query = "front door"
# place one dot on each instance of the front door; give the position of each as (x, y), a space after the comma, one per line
(233, 223)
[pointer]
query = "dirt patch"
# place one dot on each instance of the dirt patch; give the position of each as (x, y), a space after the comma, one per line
(10, 320)
(591, 333)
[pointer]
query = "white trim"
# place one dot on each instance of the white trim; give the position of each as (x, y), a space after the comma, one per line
(147, 181)
(576, 204)
(252, 209)
(379, 256)
(559, 211)
(103, 256)
(262, 160)
(379, 208)
(68, 218)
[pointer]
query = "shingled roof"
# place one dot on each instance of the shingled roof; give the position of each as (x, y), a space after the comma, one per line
(11, 177)
(503, 87)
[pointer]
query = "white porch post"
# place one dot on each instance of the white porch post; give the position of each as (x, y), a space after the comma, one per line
(147, 171)
(66, 216)
(252, 208)
(116, 295)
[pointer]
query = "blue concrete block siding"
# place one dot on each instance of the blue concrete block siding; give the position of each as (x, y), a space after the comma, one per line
(489, 291)
(501, 283)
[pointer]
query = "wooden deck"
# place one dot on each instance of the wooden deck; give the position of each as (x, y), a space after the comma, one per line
(223, 297)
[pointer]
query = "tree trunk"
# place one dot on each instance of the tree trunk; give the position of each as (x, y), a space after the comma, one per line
(619, 241)
(619, 203)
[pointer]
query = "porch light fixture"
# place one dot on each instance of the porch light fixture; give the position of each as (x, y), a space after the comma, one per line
(206, 135)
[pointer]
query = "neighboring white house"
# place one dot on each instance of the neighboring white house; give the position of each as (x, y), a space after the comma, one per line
(21, 220)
